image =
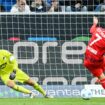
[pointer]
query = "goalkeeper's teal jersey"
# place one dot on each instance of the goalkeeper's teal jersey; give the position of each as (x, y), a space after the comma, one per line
(7, 62)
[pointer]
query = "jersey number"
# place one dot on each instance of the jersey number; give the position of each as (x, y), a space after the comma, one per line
(98, 37)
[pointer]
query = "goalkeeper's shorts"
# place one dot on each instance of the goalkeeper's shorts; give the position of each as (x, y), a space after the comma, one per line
(20, 77)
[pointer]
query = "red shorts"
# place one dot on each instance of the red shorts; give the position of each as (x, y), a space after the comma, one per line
(96, 67)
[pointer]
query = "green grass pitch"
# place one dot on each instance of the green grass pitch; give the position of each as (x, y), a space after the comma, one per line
(55, 101)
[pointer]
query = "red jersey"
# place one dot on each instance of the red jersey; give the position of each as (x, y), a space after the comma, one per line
(96, 45)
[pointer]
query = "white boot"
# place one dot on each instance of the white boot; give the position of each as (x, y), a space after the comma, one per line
(32, 95)
(48, 96)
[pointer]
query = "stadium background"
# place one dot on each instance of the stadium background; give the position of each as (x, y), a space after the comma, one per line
(68, 70)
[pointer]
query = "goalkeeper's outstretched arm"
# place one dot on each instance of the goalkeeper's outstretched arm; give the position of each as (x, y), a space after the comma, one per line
(95, 22)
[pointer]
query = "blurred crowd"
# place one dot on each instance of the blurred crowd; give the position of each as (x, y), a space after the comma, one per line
(27, 6)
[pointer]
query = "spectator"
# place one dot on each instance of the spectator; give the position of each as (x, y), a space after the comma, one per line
(100, 7)
(91, 4)
(47, 2)
(103, 8)
(2, 9)
(54, 6)
(20, 6)
(78, 6)
(38, 6)
(63, 4)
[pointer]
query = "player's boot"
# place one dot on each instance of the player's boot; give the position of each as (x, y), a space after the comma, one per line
(32, 95)
(48, 96)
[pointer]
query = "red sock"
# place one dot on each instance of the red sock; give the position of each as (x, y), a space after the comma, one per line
(102, 82)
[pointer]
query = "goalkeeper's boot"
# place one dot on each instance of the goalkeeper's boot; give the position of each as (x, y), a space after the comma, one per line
(48, 96)
(32, 95)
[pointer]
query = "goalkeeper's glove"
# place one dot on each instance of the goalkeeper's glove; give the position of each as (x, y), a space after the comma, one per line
(12, 75)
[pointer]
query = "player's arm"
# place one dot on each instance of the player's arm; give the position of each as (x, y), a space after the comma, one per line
(95, 22)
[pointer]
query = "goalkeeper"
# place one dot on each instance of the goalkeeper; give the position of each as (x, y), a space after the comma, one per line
(10, 73)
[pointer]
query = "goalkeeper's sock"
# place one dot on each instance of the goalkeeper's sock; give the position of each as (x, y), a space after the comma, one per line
(21, 89)
(102, 82)
(39, 88)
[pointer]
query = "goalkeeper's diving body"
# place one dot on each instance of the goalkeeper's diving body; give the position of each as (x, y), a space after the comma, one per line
(10, 73)
(94, 59)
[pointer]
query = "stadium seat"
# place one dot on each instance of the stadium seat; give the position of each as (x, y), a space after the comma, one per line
(8, 5)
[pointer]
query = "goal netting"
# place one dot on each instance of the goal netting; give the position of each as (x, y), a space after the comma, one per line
(50, 48)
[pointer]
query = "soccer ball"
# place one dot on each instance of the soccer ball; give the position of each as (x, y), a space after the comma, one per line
(86, 94)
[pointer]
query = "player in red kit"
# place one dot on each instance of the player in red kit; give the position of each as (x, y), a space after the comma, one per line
(94, 59)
